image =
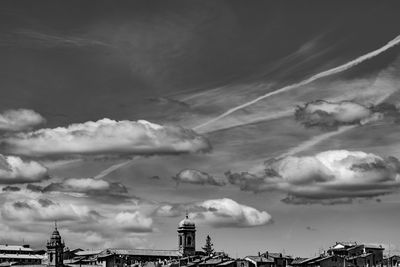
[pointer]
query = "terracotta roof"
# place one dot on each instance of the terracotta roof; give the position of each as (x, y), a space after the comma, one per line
(298, 261)
(14, 248)
(226, 263)
(360, 256)
(20, 256)
(374, 246)
(320, 259)
(259, 259)
(211, 261)
(88, 252)
(277, 255)
(140, 252)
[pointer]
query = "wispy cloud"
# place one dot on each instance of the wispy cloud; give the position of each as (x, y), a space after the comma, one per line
(313, 78)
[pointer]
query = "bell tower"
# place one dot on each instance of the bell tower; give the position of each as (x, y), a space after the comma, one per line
(187, 236)
(55, 249)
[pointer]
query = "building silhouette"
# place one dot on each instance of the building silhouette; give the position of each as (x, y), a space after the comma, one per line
(187, 237)
(55, 249)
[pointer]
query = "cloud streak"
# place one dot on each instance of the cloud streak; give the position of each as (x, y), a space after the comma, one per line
(313, 78)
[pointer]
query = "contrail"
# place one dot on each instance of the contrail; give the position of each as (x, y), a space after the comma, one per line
(315, 140)
(326, 73)
(112, 169)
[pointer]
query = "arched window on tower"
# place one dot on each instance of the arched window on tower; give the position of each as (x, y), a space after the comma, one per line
(189, 240)
(180, 240)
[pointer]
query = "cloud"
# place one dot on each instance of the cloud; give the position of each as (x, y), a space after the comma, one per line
(106, 137)
(329, 177)
(133, 221)
(19, 119)
(14, 170)
(197, 177)
(33, 209)
(87, 186)
(331, 115)
(170, 210)
(228, 213)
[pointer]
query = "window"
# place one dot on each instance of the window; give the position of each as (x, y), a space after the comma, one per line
(189, 241)
(180, 240)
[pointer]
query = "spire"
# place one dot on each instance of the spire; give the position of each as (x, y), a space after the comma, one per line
(187, 214)
(55, 224)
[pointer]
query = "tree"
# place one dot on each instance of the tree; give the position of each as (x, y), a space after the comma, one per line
(208, 247)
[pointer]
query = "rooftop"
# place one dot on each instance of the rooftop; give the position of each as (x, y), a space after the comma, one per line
(15, 248)
(259, 259)
(140, 252)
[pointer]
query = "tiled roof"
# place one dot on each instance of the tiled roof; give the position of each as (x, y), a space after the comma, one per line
(320, 259)
(305, 260)
(14, 248)
(226, 263)
(259, 259)
(20, 256)
(140, 252)
(298, 260)
(360, 256)
(277, 255)
(211, 261)
(88, 252)
(373, 246)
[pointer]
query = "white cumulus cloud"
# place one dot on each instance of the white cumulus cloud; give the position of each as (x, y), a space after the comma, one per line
(197, 177)
(329, 175)
(106, 137)
(14, 170)
(86, 185)
(133, 221)
(228, 213)
(38, 209)
(19, 119)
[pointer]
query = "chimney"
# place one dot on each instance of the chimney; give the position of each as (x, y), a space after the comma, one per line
(280, 255)
(259, 254)
(266, 254)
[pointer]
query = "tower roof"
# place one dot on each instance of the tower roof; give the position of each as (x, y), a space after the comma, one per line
(55, 235)
(186, 222)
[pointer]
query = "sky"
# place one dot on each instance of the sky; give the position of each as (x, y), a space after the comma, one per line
(273, 124)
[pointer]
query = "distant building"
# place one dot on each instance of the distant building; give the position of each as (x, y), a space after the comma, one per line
(360, 255)
(279, 259)
(21, 255)
(345, 254)
(127, 257)
(392, 261)
(259, 261)
(187, 237)
(55, 249)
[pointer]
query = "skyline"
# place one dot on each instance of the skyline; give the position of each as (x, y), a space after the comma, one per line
(272, 124)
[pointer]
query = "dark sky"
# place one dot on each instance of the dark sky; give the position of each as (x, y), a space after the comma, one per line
(310, 157)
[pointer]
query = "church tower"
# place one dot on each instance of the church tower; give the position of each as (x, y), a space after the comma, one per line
(55, 249)
(187, 237)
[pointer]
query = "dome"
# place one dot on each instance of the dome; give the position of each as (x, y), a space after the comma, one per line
(186, 222)
(55, 234)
